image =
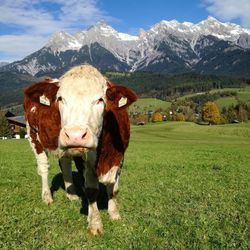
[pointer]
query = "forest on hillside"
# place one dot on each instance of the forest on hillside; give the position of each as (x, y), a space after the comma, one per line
(161, 86)
(167, 87)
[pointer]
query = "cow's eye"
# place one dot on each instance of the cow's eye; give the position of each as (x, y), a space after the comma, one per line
(59, 99)
(99, 101)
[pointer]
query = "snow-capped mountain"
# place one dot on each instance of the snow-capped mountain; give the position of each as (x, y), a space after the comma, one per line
(3, 64)
(169, 46)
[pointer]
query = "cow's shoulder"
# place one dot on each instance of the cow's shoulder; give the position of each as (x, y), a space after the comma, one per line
(116, 128)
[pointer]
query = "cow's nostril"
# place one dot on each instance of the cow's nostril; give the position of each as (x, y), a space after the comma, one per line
(84, 135)
(67, 135)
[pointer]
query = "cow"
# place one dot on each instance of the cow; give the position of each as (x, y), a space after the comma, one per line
(80, 116)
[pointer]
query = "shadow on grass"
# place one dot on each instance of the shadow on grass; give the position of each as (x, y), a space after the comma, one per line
(102, 200)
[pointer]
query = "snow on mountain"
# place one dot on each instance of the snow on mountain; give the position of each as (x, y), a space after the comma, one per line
(3, 64)
(224, 31)
(165, 44)
(191, 32)
(62, 41)
(119, 44)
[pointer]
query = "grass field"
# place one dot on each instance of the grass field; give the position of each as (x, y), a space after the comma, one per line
(183, 186)
(226, 102)
(146, 104)
(243, 96)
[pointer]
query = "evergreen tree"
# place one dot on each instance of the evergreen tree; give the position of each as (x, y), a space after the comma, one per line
(5, 129)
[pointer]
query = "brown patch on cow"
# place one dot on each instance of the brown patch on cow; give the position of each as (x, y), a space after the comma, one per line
(43, 120)
(115, 93)
(116, 129)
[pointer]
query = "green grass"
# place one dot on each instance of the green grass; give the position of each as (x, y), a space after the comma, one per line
(226, 102)
(183, 186)
(243, 96)
(146, 104)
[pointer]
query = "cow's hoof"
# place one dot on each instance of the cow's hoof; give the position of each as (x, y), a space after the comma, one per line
(95, 226)
(47, 198)
(114, 216)
(72, 197)
(95, 231)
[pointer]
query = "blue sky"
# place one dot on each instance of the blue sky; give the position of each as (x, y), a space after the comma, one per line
(26, 25)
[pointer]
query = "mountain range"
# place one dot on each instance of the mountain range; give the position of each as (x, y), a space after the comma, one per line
(168, 47)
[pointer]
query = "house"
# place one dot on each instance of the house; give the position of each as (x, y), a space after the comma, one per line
(17, 123)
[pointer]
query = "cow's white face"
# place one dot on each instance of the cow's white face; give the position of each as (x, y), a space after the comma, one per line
(81, 98)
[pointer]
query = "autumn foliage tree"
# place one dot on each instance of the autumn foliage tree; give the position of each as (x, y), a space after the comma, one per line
(157, 117)
(211, 113)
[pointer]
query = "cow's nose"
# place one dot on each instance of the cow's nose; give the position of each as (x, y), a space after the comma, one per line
(76, 136)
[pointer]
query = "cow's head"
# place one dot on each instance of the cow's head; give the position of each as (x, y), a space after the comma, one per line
(81, 99)
(75, 106)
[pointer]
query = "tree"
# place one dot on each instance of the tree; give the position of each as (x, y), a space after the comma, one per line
(5, 129)
(141, 119)
(157, 117)
(211, 113)
(180, 117)
(242, 113)
(230, 114)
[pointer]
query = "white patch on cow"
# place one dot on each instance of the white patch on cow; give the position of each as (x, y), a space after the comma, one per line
(33, 109)
(80, 92)
(66, 167)
(113, 210)
(110, 177)
(54, 80)
(122, 102)
(37, 137)
(95, 226)
(42, 170)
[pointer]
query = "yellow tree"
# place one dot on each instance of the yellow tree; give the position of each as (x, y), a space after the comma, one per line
(211, 113)
(157, 117)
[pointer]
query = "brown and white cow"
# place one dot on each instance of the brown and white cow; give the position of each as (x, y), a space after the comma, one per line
(81, 115)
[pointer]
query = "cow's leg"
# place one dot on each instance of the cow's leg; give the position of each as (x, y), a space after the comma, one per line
(43, 171)
(95, 226)
(79, 163)
(66, 167)
(112, 190)
(42, 164)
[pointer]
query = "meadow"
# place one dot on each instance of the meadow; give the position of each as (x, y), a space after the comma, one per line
(243, 95)
(183, 186)
(147, 104)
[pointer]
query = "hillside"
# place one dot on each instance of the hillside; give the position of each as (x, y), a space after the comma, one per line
(12, 85)
(146, 85)
(149, 104)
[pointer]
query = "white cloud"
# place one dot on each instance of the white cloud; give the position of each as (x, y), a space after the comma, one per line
(27, 24)
(16, 47)
(228, 10)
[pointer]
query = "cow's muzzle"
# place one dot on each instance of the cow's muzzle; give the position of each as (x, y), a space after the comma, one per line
(75, 137)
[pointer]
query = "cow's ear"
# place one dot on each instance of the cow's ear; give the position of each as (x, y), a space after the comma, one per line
(42, 92)
(120, 96)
